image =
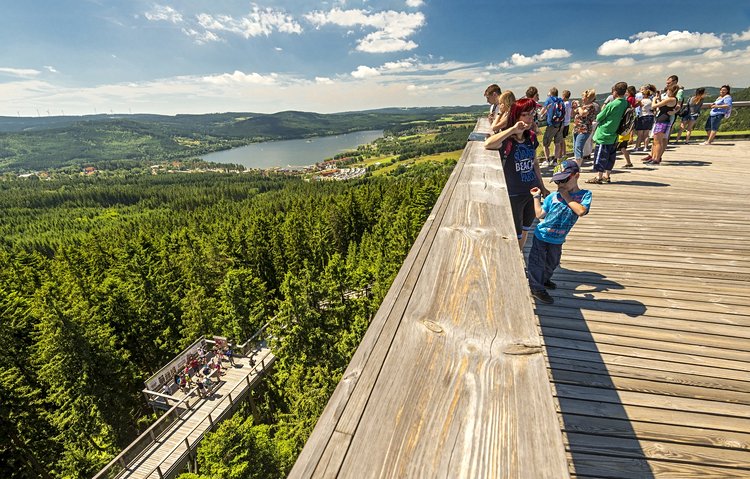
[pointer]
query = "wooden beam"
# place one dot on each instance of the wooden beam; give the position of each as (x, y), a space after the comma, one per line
(450, 379)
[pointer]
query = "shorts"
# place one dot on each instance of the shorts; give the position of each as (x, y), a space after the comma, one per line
(604, 157)
(713, 122)
(644, 123)
(522, 207)
(566, 131)
(552, 132)
(662, 128)
(621, 145)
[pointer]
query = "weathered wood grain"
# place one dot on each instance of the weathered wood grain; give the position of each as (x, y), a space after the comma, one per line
(455, 383)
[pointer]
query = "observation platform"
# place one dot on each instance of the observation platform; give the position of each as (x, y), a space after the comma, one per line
(641, 368)
(168, 446)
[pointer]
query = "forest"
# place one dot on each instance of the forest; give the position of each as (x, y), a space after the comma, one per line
(103, 280)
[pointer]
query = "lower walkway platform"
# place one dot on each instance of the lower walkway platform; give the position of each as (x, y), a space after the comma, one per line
(174, 448)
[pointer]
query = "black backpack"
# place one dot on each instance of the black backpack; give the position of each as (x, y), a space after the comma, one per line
(627, 122)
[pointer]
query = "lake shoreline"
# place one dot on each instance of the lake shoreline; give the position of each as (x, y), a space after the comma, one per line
(294, 153)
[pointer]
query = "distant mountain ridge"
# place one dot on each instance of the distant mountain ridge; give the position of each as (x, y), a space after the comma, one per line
(241, 123)
(127, 141)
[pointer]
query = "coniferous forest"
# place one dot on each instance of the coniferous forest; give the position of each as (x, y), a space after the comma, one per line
(103, 280)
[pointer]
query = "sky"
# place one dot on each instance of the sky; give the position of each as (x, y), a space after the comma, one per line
(78, 57)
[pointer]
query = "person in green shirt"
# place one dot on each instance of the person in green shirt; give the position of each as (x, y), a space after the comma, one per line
(605, 136)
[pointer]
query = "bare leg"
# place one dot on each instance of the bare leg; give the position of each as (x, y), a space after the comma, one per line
(626, 155)
(658, 147)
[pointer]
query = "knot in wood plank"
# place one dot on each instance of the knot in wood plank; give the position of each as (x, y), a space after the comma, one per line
(432, 326)
(520, 349)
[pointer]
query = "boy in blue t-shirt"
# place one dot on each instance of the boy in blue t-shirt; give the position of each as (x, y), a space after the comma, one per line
(557, 215)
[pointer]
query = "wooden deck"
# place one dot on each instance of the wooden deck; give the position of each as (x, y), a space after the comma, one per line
(648, 342)
(647, 347)
(170, 451)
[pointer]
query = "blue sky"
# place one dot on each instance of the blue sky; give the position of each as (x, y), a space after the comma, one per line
(200, 56)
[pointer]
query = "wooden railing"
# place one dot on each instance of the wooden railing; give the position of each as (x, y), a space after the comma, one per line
(450, 379)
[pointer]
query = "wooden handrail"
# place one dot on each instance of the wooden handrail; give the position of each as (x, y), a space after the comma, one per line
(449, 379)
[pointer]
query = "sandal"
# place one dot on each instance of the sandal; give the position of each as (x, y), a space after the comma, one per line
(629, 165)
(606, 180)
(594, 181)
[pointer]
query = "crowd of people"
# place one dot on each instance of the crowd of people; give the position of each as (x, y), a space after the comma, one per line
(639, 118)
(200, 367)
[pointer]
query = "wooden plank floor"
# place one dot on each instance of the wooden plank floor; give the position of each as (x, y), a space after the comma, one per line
(170, 446)
(648, 342)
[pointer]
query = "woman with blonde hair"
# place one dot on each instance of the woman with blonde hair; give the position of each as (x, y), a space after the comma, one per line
(585, 114)
(506, 100)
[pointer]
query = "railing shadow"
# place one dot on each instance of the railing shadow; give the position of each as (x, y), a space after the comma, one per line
(601, 440)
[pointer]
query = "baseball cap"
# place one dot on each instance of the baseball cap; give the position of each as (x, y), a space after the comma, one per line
(564, 169)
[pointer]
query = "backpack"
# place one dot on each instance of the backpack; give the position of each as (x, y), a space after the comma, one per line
(558, 112)
(627, 121)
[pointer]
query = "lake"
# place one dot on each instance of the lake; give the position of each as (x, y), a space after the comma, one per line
(293, 152)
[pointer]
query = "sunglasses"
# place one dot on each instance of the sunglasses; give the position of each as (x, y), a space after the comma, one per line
(562, 182)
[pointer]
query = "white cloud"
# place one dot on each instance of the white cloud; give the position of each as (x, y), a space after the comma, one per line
(162, 13)
(365, 72)
(519, 60)
(713, 53)
(239, 77)
(411, 68)
(643, 35)
(392, 28)
(741, 37)
(650, 43)
(201, 38)
(256, 23)
(324, 81)
(414, 3)
(625, 62)
(20, 72)
(417, 87)
(402, 65)
(50, 69)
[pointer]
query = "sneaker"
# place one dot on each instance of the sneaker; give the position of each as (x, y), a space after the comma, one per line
(647, 159)
(550, 285)
(544, 164)
(543, 296)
